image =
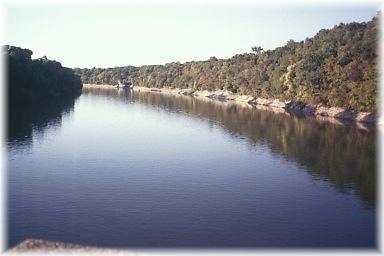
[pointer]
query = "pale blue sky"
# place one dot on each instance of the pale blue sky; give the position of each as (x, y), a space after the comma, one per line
(121, 35)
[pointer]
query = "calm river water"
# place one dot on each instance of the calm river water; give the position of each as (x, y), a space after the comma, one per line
(147, 170)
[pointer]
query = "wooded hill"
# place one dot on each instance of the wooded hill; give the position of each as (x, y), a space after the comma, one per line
(336, 67)
(34, 82)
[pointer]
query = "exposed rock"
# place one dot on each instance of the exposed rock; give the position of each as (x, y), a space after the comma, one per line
(277, 104)
(186, 92)
(296, 107)
(229, 95)
(365, 117)
(323, 111)
(245, 98)
(222, 95)
(261, 101)
(44, 246)
(205, 93)
(100, 86)
(37, 244)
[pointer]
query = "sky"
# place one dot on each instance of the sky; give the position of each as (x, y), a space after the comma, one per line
(109, 36)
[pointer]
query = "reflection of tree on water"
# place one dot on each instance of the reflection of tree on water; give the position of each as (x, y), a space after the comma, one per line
(23, 121)
(38, 92)
(343, 155)
(124, 94)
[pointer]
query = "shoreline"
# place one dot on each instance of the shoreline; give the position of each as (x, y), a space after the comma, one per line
(47, 246)
(319, 112)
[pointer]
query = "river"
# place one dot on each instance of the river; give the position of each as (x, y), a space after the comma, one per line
(150, 170)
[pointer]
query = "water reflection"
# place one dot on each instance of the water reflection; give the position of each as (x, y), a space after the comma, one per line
(343, 155)
(22, 123)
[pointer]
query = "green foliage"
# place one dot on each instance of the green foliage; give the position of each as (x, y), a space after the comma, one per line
(32, 82)
(337, 67)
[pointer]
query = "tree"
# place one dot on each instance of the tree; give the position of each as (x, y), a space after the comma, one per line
(336, 67)
(37, 81)
(257, 49)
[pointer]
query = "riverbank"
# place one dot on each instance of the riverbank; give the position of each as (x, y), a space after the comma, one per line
(38, 245)
(289, 106)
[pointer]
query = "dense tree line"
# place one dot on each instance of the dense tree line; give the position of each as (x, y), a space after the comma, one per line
(33, 82)
(336, 67)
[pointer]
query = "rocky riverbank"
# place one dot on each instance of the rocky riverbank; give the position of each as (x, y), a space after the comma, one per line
(289, 106)
(44, 246)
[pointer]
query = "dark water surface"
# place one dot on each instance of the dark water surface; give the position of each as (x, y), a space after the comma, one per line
(120, 169)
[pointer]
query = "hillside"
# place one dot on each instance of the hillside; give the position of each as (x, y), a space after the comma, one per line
(37, 81)
(335, 68)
